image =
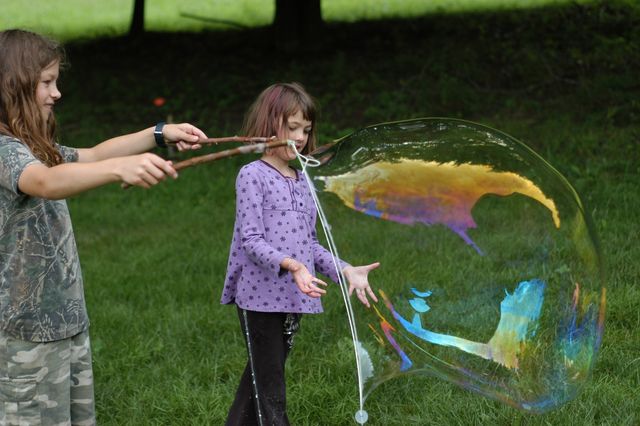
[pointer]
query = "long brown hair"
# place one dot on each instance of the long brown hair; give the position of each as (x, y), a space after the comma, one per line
(23, 57)
(273, 107)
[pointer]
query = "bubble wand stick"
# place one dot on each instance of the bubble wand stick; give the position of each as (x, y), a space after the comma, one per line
(258, 145)
(245, 139)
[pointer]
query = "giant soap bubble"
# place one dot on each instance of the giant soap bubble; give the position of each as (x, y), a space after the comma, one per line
(491, 274)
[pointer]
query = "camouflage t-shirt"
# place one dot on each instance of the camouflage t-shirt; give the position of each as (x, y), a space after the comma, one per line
(41, 292)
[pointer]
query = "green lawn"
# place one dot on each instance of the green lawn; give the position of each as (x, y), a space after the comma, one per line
(562, 79)
(72, 19)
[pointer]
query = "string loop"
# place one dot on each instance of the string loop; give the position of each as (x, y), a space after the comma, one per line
(303, 159)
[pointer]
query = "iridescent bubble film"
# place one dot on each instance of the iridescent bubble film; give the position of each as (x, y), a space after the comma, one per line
(490, 274)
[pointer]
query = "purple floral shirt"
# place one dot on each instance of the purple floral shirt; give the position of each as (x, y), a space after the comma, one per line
(275, 219)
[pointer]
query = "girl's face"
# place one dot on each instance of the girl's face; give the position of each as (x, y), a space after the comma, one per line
(297, 129)
(47, 92)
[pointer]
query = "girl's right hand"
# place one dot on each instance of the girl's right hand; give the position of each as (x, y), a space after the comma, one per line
(307, 283)
(143, 170)
(184, 135)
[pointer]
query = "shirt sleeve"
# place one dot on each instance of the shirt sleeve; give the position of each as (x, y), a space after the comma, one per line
(14, 158)
(323, 260)
(69, 155)
(249, 216)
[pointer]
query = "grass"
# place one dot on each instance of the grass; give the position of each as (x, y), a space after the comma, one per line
(81, 19)
(562, 79)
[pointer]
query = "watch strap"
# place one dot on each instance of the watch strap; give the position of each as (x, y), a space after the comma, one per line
(157, 134)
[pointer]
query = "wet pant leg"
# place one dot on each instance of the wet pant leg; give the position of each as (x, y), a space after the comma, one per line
(261, 395)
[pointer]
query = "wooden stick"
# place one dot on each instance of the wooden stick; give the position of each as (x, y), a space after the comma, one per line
(246, 139)
(245, 149)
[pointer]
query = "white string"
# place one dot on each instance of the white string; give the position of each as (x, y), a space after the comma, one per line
(304, 160)
(312, 162)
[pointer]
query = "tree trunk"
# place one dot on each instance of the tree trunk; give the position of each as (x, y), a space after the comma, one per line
(137, 20)
(297, 21)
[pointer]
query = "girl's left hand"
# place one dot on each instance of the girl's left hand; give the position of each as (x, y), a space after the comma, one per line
(184, 135)
(307, 283)
(358, 281)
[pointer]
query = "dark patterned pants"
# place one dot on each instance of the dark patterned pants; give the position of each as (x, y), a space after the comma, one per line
(261, 395)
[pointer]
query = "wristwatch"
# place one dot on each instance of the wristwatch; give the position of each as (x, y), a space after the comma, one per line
(157, 134)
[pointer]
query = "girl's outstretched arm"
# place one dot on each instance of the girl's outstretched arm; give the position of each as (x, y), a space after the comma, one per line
(110, 161)
(184, 135)
(67, 179)
(358, 277)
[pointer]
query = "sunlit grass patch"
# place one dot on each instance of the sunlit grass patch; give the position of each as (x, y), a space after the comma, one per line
(74, 19)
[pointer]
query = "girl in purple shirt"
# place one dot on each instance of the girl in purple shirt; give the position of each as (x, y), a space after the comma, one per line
(274, 256)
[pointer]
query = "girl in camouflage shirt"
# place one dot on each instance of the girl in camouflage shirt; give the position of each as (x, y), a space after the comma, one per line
(45, 358)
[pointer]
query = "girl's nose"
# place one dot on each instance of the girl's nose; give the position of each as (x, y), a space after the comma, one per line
(55, 93)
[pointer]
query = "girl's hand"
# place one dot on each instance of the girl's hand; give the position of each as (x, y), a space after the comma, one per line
(184, 135)
(143, 170)
(358, 281)
(307, 283)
